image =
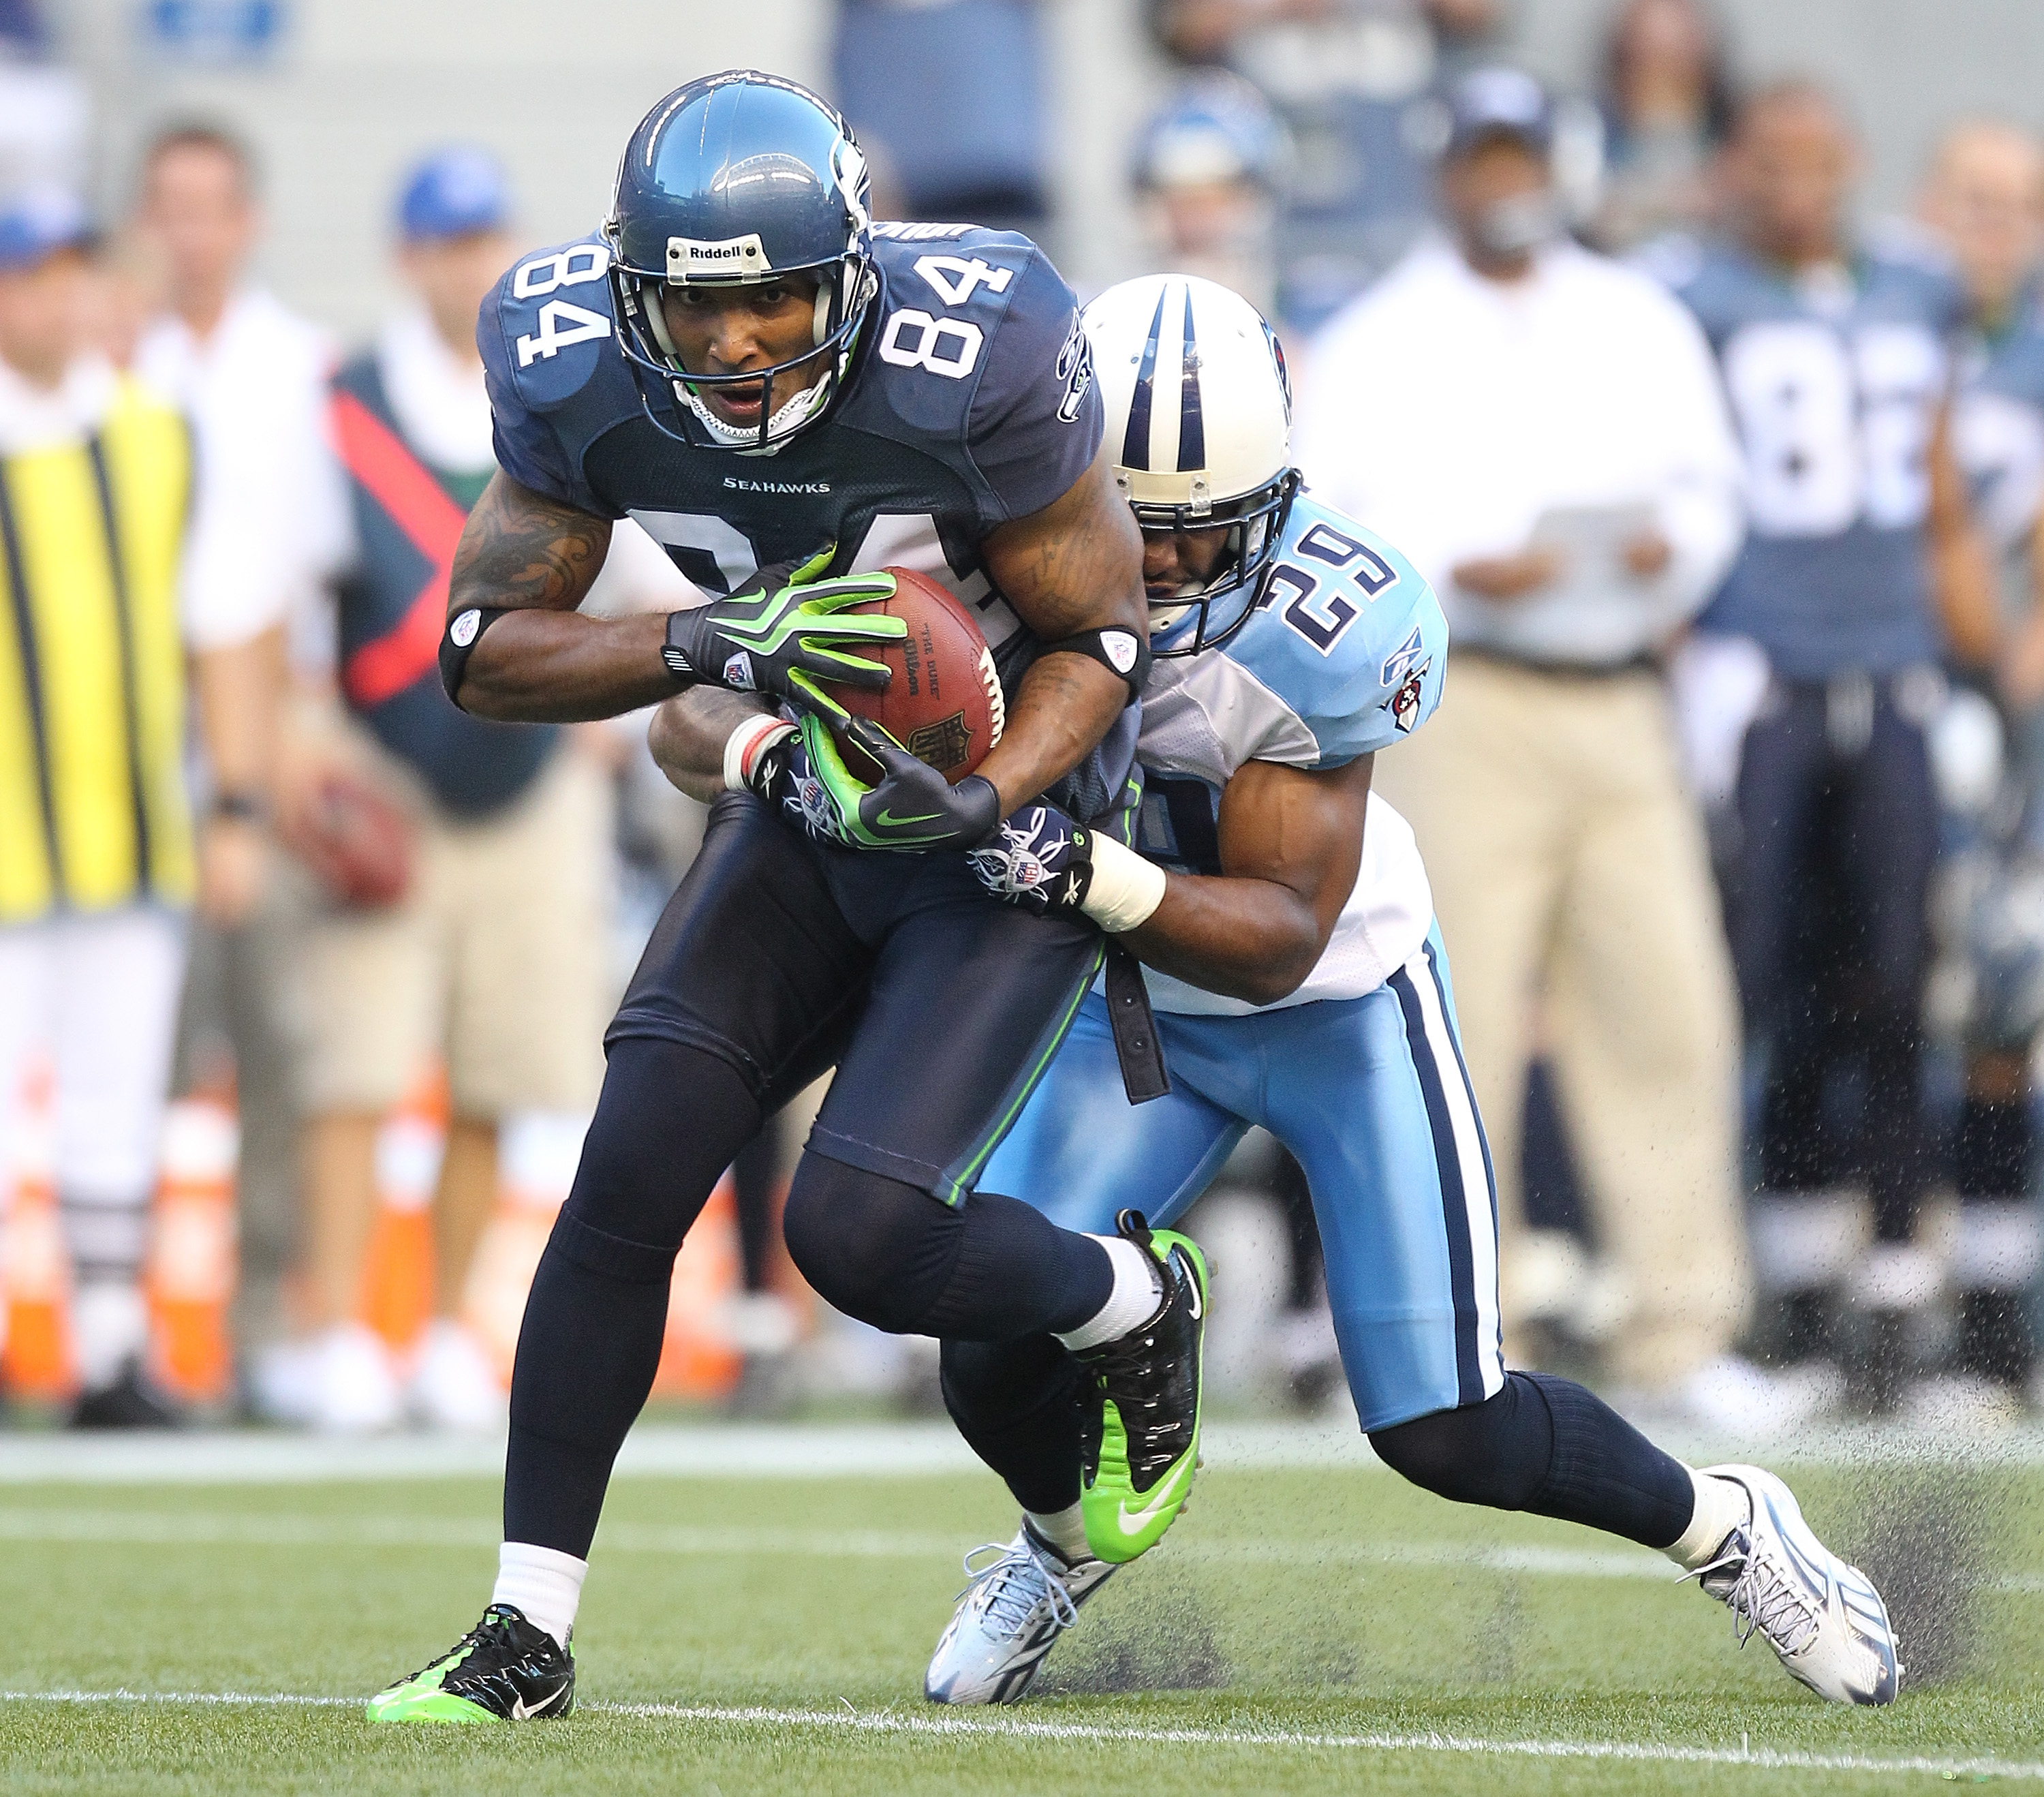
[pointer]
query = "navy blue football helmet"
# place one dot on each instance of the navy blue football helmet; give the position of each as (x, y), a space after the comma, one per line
(740, 178)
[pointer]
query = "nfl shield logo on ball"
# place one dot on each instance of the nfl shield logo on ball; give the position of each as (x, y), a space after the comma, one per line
(738, 672)
(944, 744)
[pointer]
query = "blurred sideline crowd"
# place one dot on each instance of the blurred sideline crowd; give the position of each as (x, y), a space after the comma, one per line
(1734, 498)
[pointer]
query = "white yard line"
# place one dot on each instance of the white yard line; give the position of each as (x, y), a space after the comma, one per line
(804, 1451)
(227, 1528)
(1027, 1729)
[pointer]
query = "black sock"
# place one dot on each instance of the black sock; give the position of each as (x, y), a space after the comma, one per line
(1017, 1405)
(1991, 1148)
(988, 1269)
(1545, 1445)
(668, 1123)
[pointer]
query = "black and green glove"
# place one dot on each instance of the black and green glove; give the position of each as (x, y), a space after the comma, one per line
(913, 807)
(783, 632)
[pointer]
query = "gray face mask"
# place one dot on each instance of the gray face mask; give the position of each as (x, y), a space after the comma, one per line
(1514, 226)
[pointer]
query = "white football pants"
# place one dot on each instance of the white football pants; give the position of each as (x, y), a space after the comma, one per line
(98, 995)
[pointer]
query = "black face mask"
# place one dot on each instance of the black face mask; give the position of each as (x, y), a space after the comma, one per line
(1514, 226)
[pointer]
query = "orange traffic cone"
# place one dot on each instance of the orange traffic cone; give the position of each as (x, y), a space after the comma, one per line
(35, 1271)
(398, 1282)
(191, 1269)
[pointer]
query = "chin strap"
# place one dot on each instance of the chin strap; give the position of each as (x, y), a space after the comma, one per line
(1121, 653)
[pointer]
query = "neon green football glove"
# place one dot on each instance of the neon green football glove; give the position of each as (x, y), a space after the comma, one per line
(783, 632)
(913, 807)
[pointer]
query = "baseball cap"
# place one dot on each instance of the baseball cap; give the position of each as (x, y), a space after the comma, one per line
(1215, 127)
(1498, 101)
(453, 193)
(36, 225)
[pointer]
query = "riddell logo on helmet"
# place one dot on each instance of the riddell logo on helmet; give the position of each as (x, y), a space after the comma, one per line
(727, 257)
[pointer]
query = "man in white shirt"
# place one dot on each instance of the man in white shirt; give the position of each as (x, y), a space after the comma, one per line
(1542, 430)
(251, 376)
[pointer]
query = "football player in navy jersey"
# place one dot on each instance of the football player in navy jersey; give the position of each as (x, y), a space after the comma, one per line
(1985, 200)
(1836, 352)
(790, 399)
(1300, 984)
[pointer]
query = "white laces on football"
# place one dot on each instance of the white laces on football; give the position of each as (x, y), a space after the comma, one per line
(1766, 1597)
(1015, 1582)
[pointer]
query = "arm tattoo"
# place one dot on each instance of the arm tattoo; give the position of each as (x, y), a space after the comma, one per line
(521, 549)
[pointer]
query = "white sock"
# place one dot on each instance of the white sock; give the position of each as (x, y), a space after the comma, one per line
(544, 1582)
(1722, 1507)
(109, 1321)
(1065, 1530)
(1139, 1289)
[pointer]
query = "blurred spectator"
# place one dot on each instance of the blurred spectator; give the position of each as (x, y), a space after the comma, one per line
(124, 295)
(1211, 167)
(1666, 101)
(98, 864)
(1835, 351)
(948, 97)
(251, 376)
(1355, 81)
(1541, 430)
(1984, 199)
(468, 859)
(45, 113)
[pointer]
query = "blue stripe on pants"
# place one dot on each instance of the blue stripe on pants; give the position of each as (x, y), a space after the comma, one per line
(1454, 1199)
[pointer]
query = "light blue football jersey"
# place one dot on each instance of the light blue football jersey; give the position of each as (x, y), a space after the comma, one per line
(1344, 655)
(1834, 392)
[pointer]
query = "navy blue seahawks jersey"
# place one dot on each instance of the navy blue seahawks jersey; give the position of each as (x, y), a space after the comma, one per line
(1835, 393)
(1343, 655)
(1998, 427)
(968, 402)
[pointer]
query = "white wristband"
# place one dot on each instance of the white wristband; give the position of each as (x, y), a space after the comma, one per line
(742, 748)
(1125, 889)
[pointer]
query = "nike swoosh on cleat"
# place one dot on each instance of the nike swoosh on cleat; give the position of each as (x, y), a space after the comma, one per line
(1191, 1286)
(1142, 1519)
(520, 1710)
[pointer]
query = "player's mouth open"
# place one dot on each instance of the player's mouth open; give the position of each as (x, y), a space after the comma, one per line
(736, 405)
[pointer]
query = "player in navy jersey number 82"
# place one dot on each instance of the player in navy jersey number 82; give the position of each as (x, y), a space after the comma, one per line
(790, 399)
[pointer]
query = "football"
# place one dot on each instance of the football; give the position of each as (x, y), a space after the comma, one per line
(944, 704)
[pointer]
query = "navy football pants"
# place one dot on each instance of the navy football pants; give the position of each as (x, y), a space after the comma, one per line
(1840, 830)
(776, 959)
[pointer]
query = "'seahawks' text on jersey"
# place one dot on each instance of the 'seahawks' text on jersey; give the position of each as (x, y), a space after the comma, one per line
(1835, 383)
(968, 402)
(1343, 655)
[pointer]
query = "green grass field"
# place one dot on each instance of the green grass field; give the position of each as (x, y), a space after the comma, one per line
(1300, 1630)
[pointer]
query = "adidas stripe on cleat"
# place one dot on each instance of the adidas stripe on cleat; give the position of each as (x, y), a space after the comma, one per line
(1008, 1619)
(1140, 1431)
(504, 1669)
(1824, 1619)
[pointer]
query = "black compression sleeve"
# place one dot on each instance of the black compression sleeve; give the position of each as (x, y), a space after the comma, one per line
(1120, 652)
(458, 642)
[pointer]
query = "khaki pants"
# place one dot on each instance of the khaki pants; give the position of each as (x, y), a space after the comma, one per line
(1569, 873)
(496, 960)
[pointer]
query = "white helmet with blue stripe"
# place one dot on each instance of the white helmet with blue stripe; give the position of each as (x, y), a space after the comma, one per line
(1199, 420)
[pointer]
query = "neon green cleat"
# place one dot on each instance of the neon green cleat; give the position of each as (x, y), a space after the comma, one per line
(1141, 1432)
(504, 1669)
